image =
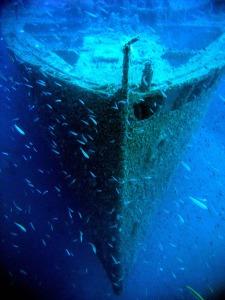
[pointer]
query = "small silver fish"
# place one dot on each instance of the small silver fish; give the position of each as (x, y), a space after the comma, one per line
(84, 153)
(81, 101)
(93, 120)
(57, 83)
(73, 133)
(20, 209)
(181, 219)
(116, 262)
(55, 151)
(92, 174)
(72, 182)
(186, 166)
(81, 236)
(93, 248)
(21, 227)
(197, 202)
(19, 129)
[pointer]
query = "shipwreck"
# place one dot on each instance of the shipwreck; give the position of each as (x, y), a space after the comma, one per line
(117, 113)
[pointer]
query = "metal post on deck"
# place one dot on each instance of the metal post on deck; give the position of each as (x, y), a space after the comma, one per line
(126, 62)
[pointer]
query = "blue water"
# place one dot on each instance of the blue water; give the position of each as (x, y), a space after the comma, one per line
(185, 244)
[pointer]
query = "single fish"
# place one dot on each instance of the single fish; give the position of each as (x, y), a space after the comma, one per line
(116, 262)
(181, 219)
(81, 236)
(82, 143)
(5, 153)
(93, 120)
(20, 227)
(222, 98)
(49, 105)
(44, 243)
(19, 129)
(56, 83)
(57, 189)
(28, 85)
(200, 204)
(92, 174)
(19, 208)
(85, 122)
(73, 133)
(32, 225)
(3, 76)
(84, 153)
(186, 166)
(67, 252)
(55, 151)
(72, 182)
(81, 101)
(196, 294)
(91, 14)
(163, 93)
(93, 248)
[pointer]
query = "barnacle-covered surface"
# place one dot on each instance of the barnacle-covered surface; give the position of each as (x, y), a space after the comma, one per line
(119, 153)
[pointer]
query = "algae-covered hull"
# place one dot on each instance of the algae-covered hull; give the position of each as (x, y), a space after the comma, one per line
(117, 123)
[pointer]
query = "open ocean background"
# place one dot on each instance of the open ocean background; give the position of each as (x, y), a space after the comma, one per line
(185, 244)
